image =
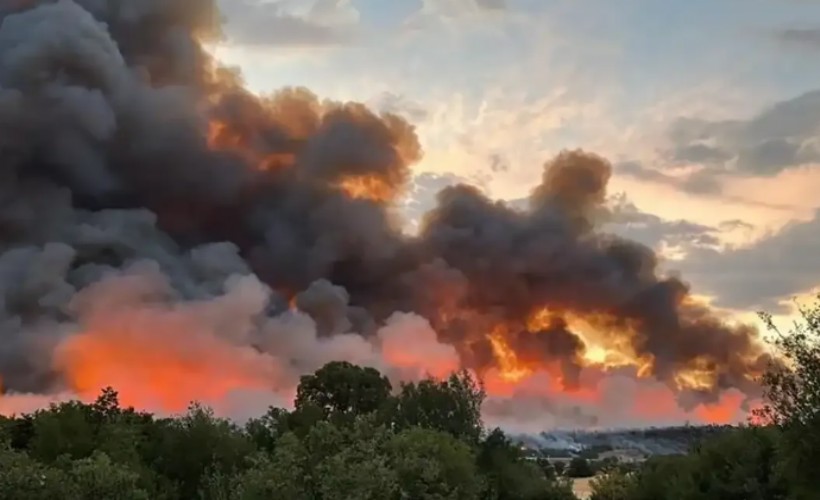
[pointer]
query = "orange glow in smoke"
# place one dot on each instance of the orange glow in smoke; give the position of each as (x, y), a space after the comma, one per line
(604, 355)
(610, 351)
(725, 411)
(510, 369)
(221, 137)
(367, 188)
(415, 352)
(159, 373)
(159, 362)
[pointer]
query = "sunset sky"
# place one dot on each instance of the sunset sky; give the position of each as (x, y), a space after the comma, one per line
(709, 110)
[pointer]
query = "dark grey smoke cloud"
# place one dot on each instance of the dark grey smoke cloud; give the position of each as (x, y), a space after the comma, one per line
(123, 143)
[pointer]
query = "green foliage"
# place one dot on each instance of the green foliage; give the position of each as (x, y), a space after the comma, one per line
(735, 466)
(452, 406)
(266, 430)
(509, 477)
(358, 471)
(22, 478)
(740, 465)
(65, 429)
(197, 444)
(579, 467)
(342, 389)
(281, 474)
(432, 465)
(614, 486)
(793, 402)
(98, 477)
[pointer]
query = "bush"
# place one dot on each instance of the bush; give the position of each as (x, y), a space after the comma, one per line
(580, 468)
(613, 486)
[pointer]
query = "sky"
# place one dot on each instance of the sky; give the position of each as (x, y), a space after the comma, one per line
(709, 111)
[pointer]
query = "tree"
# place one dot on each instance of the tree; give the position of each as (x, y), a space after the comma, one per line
(509, 477)
(613, 486)
(792, 393)
(64, 429)
(341, 388)
(266, 430)
(432, 465)
(282, 474)
(658, 477)
(197, 444)
(580, 467)
(740, 465)
(98, 477)
(355, 465)
(22, 478)
(452, 406)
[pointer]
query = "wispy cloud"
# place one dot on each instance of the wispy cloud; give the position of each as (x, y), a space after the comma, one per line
(284, 23)
(802, 37)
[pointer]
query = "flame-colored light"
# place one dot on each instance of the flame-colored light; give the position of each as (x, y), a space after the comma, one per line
(367, 188)
(509, 367)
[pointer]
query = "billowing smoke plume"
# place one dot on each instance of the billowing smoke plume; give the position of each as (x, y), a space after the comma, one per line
(165, 231)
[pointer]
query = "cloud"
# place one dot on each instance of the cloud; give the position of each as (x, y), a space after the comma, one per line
(800, 37)
(421, 196)
(763, 274)
(455, 8)
(783, 136)
(492, 4)
(285, 23)
(433, 11)
(398, 104)
(628, 221)
(700, 181)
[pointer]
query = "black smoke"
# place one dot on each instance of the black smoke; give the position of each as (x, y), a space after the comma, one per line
(122, 139)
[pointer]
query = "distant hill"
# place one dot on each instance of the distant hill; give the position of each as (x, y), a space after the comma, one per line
(590, 444)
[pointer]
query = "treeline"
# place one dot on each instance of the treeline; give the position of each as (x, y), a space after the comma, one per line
(779, 459)
(350, 436)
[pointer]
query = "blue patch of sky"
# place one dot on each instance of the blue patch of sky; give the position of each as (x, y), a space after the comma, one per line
(642, 49)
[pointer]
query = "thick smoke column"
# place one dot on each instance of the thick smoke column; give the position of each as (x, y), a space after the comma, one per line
(151, 208)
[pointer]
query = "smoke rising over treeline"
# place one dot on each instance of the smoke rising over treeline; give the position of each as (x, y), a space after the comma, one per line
(159, 222)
